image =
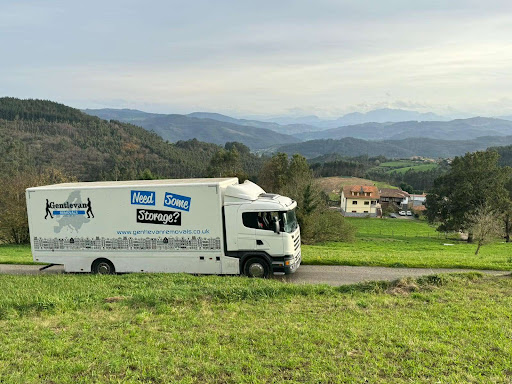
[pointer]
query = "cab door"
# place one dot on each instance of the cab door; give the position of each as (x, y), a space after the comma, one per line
(266, 238)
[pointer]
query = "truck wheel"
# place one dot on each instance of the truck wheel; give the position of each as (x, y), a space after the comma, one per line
(103, 267)
(256, 267)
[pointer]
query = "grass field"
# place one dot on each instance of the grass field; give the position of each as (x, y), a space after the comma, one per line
(144, 328)
(407, 243)
(398, 164)
(15, 254)
(417, 168)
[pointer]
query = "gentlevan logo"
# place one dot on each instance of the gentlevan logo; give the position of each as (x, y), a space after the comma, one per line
(143, 198)
(68, 209)
(173, 200)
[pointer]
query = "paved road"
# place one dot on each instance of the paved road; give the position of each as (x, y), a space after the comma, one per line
(306, 274)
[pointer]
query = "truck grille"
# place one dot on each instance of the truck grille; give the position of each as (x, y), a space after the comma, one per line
(296, 242)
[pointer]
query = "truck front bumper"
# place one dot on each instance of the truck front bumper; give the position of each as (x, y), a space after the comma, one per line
(287, 264)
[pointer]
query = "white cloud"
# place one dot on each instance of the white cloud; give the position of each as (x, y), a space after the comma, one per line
(327, 57)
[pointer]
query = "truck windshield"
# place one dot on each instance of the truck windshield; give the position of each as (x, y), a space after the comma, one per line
(289, 221)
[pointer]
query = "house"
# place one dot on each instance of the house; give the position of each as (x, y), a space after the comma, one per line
(394, 197)
(417, 200)
(360, 201)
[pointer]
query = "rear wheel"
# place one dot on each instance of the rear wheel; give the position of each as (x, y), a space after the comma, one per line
(103, 267)
(256, 267)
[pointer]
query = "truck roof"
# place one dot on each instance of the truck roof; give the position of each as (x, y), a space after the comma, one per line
(139, 183)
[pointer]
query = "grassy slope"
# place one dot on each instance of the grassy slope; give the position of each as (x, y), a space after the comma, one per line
(417, 168)
(333, 185)
(407, 243)
(185, 329)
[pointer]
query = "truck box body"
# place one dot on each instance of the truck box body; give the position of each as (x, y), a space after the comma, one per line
(138, 226)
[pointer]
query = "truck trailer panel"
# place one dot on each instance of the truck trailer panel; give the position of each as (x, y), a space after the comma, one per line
(146, 226)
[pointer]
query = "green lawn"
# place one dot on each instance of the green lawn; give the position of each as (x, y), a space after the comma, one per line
(407, 243)
(15, 254)
(145, 328)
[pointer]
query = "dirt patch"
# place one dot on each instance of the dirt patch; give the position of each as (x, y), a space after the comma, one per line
(335, 183)
(115, 299)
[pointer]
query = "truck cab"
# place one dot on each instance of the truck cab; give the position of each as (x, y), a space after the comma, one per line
(261, 230)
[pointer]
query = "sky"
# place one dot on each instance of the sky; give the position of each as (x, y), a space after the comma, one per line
(261, 58)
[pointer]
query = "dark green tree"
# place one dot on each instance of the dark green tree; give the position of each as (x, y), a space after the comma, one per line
(406, 187)
(473, 181)
(226, 163)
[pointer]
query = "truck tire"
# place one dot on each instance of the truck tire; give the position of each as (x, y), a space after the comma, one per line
(103, 267)
(256, 267)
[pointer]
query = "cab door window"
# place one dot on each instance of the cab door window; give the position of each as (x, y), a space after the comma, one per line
(260, 220)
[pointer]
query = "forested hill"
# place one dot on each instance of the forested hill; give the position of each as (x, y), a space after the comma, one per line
(405, 148)
(185, 127)
(36, 134)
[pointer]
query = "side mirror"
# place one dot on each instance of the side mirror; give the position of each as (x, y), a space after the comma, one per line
(277, 227)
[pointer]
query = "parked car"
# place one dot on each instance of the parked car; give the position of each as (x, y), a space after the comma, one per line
(409, 213)
(401, 213)
(392, 215)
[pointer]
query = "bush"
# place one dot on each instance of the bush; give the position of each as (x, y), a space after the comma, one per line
(322, 226)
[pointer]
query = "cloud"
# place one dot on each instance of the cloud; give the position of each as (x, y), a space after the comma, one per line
(327, 57)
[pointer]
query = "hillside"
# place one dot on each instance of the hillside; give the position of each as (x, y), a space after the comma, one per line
(35, 134)
(394, 148)
(186, 127)
(443, 130)
(288, 129)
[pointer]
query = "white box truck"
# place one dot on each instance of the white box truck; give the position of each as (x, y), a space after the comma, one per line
(204, 226)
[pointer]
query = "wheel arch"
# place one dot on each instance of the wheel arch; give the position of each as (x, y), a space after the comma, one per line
(250, 254)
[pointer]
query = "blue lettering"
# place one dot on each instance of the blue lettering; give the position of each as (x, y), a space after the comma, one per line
(172, 200)
(143, 197)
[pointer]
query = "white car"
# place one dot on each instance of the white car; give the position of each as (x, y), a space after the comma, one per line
(401, 213)
(409, 213)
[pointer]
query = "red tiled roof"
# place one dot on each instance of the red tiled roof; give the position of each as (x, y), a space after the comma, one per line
(374, 192)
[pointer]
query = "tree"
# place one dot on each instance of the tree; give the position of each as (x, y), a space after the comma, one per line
(226, 163)
(406, 187)
(294, 178)
(474, 180)
(484, 224)
(13, 222)
(506, 210)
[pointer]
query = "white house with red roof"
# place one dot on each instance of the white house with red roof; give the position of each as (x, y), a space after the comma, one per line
(360, 201)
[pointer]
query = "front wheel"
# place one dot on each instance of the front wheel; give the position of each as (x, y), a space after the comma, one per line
(103, 267)
(256, 267)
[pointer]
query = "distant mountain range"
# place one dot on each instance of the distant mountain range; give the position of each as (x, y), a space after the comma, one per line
(426, 147)
(306, 136)
(185, 127)
(384, 115)
(443, 130)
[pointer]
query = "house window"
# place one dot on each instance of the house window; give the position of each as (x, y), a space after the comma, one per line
(354, 202)
(366, 203)
(373, 202)
(354, 212)
(365, 211)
